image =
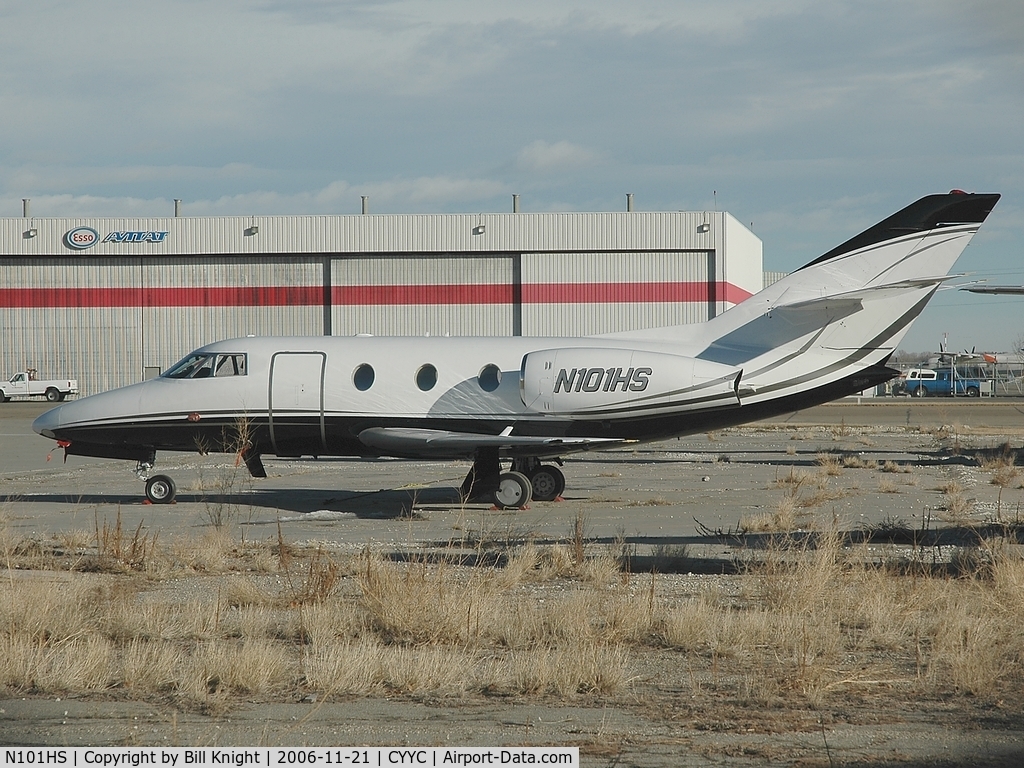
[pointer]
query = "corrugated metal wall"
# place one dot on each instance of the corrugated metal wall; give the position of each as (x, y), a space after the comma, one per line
(73, 318)
(574, 294)
(393, 295)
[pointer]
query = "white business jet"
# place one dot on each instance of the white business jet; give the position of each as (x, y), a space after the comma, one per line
(825, 331)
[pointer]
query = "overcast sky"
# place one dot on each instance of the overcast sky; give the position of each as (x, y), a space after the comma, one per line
(808, 121)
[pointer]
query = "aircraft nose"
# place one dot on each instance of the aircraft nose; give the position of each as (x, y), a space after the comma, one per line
(46, 423)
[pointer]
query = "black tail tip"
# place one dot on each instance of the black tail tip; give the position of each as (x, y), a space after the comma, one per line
(955, 207)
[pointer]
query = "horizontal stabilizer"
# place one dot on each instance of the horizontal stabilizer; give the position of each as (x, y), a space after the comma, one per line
(853, 299)
(1008, 290)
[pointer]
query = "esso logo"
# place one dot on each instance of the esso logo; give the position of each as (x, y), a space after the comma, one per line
(81, 238)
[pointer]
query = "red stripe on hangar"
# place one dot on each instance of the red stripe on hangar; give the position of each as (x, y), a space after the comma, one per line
(231, 296)
(399, 295)
(535, 293)
(362, 295)
(633, 293)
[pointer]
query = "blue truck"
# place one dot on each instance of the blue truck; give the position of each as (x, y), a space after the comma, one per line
(939, 382)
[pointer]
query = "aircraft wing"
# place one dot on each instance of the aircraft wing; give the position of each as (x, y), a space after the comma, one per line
(439, 443)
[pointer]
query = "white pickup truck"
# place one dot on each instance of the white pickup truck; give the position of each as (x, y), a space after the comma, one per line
(22, 384)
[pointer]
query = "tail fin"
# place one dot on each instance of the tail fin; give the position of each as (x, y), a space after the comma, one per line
(891, 269)
(844, 313)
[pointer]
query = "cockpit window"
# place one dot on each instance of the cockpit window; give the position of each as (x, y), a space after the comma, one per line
(230, 365)
(201, 366)
(187, 368)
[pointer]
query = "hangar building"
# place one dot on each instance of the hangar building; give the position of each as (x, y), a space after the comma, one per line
(115, 300)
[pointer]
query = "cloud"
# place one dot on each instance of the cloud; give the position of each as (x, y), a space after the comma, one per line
(438, 190)
(426, 194)
(996, 21)
(542, 157)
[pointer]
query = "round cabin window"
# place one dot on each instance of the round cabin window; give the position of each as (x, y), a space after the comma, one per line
(426, 377)
(489, 378)
(363, 377)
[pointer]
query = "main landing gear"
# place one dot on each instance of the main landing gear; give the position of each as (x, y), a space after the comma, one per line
(526, 479)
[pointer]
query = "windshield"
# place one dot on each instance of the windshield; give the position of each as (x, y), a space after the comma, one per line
(201, 366)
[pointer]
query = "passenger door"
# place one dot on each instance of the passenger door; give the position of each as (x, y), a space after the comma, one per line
(296, 403)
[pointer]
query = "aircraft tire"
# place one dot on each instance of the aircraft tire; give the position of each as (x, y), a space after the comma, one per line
(53, 394)
(514, 491)
(547, 482)
(160, 489)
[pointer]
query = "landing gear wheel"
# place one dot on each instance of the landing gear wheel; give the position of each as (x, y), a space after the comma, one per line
(514, 491)
(53, 394)
(548, 482)
(160, 489)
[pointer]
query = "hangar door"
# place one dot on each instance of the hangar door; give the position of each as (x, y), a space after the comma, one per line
(578, 294)
(413, 295)
(296, 403)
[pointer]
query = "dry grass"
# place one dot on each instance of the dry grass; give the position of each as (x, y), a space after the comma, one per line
(830, 463)
(1002, 464)
(810, 620)
(952, 488)
(894, 468)
(852, 461)
(657, 501)
(822, 494)
(1001, 458)
(957, 507)
(1004, 477)
(793, 480)
(887, 485)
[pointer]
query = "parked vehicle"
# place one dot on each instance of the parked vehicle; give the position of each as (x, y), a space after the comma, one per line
(938, 382)
(25, 384)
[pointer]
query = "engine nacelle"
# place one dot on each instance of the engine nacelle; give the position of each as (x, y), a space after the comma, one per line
(604, 382)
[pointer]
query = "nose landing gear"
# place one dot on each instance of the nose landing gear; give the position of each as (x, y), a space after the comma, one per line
(160, 489)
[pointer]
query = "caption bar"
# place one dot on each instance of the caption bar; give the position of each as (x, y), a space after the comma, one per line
(175, 757)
